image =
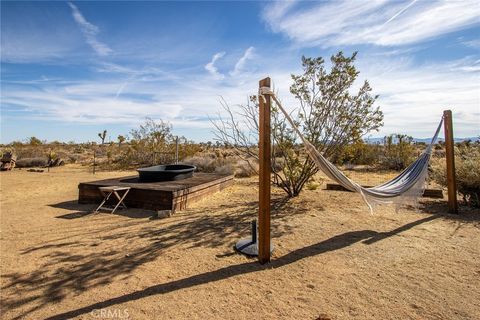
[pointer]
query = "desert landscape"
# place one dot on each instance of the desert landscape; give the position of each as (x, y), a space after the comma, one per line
(314, 160)
(332, 258)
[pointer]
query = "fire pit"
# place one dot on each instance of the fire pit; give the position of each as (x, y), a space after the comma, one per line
(169, 172)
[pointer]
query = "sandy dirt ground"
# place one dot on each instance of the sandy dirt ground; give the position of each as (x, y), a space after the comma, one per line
(332, 259)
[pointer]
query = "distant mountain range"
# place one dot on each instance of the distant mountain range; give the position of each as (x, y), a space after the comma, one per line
(425, 140)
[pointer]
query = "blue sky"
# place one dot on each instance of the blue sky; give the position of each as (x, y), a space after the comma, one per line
(71, 69)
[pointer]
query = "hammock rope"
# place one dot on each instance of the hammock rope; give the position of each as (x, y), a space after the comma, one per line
(409, 184)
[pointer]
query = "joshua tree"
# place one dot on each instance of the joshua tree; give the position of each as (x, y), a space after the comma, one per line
(121, 139)
(103, 135)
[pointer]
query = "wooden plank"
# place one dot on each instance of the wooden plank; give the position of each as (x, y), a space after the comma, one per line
(264, 176)
(450, 158)
(182, 202)
(428, 193)
(202, 186)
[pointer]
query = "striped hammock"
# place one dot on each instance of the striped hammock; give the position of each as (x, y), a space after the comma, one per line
(406, 188)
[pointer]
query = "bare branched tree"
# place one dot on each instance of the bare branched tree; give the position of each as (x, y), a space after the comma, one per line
(328, 115)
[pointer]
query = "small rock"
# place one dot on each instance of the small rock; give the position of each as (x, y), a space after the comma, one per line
(164, 213)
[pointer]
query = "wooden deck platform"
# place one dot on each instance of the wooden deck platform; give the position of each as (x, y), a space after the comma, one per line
(167, 195)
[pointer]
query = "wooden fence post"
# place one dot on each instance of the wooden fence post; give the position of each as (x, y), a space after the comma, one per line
(176, 150)
(264, 176)
(450, 157)
(94, 161)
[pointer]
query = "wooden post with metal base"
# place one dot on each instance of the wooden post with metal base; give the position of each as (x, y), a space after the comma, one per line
(264, 154)
(261, 245)
(450, 157)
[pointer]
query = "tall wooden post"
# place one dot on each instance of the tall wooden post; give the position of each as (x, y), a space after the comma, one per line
(264, 176)
(450, 157)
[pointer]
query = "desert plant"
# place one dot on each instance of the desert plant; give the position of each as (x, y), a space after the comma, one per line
(34, 141)
(187, 148)
(359, 153)
(244, 169)
(203, 163)
(6, 150)
(329, 116)
(121, 139)
(227, 168)
(110, 152)
(103, 135)
(467, 172)
(151, 139)
(313, 185)
(51, 156)
(398, 152)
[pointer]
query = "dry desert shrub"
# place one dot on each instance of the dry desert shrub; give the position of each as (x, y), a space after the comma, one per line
(359, 153)
(245, 169)
(222, 163)
(203, 163)
(467, 170)
(227, 168)
(398, 152)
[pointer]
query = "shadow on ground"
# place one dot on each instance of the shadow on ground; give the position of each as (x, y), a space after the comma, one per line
(84, 260)
(68, 271)
(334, 243)
(82, 210)
(112, 249)
(440, 208)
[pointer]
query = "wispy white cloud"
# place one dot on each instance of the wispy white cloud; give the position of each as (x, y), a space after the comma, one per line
(88, 103)
(90, 32)
(240, 65)
(212, 69)
(104, 102)
(475, 44)
(377, 22)
(414, 96)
